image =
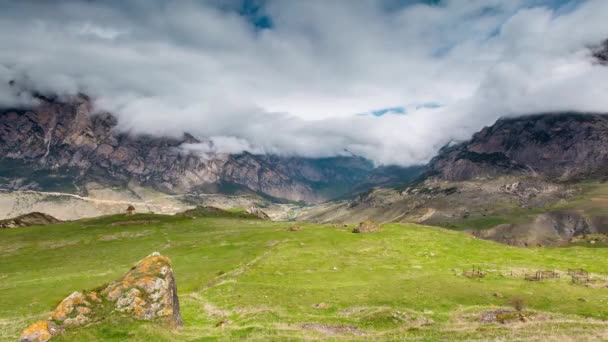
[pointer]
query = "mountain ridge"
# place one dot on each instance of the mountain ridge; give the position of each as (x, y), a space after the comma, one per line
(63, 140)
(527, 178)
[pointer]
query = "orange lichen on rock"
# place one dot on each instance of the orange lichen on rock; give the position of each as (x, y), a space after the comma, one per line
(67, 306)
(94, 297)
(147, 292)
(37, 332)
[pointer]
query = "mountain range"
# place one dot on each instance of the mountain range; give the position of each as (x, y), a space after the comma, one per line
(503, 180)
(61, 144)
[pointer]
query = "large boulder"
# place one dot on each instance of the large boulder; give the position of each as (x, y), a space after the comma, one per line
(147, 292)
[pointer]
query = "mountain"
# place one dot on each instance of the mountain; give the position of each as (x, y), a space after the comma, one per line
(61, 145)
(532, 180)
(561, 147)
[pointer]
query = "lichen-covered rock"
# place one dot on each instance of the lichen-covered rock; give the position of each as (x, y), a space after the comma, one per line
(37, 332)
(367, 227)
(148, 291)
(73, 311)
(67, 306)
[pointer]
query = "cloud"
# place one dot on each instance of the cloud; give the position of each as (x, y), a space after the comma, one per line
(290, 77)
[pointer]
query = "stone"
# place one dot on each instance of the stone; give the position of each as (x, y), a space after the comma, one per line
(147, 292)
(67, 306)
(30, 219)
(37, 332)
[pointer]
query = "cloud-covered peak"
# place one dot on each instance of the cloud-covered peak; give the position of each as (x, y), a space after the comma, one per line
(293, 77)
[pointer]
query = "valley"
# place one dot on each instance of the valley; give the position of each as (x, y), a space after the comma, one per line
(271, 170)
(245, 278)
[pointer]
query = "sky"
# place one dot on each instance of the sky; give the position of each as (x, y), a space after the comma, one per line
(390, 80)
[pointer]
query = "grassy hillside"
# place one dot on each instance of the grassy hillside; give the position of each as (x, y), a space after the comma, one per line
(248, 278)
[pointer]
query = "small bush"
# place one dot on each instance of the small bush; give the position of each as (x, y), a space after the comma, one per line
(517, 303)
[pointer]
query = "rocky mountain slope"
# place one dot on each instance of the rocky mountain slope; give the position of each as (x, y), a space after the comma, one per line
(61, 144)
(566, 146)
(534, 180)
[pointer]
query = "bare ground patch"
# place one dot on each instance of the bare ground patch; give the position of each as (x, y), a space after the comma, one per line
(124, 235)
(332, 329)
(57, 244)
(133, 222)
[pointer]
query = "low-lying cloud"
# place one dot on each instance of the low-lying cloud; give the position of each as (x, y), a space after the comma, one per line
(293, 77)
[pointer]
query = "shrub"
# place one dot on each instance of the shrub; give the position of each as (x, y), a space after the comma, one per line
(517, 303)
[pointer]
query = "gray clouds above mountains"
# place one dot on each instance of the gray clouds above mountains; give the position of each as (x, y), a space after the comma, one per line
(297, 82)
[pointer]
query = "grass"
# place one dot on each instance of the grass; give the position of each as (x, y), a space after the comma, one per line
(267, 283)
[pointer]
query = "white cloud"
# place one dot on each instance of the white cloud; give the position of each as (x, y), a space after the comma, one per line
(166, 68)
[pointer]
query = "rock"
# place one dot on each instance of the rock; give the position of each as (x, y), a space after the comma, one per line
(147, 292)
(257, 212)
(37, 332)
(31, 219)
(367, 227)
(67, 306)
(570, 146)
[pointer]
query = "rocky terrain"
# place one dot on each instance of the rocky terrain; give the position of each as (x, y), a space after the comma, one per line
(535, 180)
(62, 144)
(553, 228)
(30, 219)
(147, 292)
(560, 147)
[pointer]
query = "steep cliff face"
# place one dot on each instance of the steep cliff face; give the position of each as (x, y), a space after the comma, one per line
(62, 141)
(553, 146)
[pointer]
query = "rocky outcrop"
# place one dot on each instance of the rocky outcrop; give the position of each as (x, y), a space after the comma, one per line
(560, 147)
(64, 141)
(31, 219)
(258, 212)
(550, 229)
(146, 292)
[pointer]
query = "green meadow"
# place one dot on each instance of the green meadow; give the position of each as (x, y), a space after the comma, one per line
(248, 279)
